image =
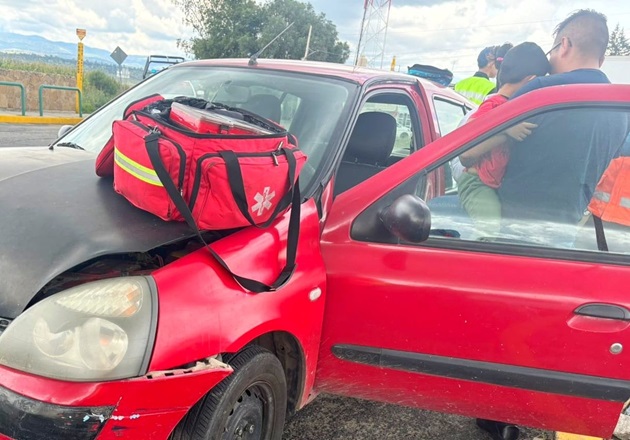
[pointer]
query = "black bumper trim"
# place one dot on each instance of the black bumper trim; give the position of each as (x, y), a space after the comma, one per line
(27, 419)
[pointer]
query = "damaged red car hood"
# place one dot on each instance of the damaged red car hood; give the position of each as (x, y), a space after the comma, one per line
(56, 213)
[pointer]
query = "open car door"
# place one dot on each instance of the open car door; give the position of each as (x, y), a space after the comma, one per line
(528, 323)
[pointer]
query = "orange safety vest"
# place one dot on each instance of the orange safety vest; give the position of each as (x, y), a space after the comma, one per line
(611, 200)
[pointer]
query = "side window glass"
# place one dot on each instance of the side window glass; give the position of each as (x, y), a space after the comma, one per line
(541, 180)
(383, 134)
(449, 116)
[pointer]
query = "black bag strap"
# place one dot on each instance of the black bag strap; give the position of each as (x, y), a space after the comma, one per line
(152, 146)
(235, 179)
(599, 234)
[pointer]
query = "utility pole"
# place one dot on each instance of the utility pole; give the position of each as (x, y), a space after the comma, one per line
(308, 42)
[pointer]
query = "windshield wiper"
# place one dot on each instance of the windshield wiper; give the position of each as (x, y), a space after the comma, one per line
(68, 144)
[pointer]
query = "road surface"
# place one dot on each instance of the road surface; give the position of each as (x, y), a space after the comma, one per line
(328, 417)
(24, 135)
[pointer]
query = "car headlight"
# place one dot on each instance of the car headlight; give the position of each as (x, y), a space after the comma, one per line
(96, 331)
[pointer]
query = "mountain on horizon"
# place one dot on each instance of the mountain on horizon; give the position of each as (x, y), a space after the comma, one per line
(12, 43)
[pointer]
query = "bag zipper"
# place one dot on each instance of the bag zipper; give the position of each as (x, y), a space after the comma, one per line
(131, 104)
(212, 136)
(198, 171)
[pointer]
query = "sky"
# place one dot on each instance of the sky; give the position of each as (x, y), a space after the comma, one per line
(445, 33)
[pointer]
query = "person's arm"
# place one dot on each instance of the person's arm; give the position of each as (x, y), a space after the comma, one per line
(470, 157)
(518, 133)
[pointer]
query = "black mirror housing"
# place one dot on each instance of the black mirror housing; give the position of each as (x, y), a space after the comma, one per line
(408, 218)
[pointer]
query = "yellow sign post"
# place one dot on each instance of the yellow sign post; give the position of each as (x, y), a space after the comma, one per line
(81, 34)
(392, 67)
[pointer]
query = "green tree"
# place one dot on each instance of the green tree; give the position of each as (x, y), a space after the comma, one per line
(224, 28)
(324, 44)
(239, 28)
(618, 44)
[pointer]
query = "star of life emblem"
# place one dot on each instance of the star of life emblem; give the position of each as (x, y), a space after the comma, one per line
(263, 201)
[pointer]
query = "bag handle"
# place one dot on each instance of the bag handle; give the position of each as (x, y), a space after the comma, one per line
(152, 146)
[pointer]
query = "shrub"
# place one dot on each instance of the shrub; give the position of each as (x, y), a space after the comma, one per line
(103, 82)
(99, 88)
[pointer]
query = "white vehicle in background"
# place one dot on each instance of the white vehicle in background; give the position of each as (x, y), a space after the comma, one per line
(617, 68)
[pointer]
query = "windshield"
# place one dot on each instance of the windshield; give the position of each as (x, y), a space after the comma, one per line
(313, 108)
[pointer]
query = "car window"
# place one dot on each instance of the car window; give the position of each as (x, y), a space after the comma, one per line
(313, 108)
(386, 131)
(401, 109)
(537, 182)
(449, 114)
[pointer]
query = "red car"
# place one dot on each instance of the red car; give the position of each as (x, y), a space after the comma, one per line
(115, 324)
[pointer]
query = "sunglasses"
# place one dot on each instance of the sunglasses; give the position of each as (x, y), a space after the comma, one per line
(553, 48)
(558, 45)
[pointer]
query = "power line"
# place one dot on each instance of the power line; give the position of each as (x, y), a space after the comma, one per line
(416, 31)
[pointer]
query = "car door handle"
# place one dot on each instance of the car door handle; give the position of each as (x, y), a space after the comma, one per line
(600, 318)
(604, 311)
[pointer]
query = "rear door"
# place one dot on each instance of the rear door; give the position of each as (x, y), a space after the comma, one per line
(530, 325)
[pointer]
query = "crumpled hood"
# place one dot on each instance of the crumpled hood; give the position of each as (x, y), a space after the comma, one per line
(56, 213)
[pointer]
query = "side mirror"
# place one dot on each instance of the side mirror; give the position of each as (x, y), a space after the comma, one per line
(408, 218)
(63, 130)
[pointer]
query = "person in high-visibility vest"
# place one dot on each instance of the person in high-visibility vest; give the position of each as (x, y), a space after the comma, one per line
(611, 199)
(478, 86)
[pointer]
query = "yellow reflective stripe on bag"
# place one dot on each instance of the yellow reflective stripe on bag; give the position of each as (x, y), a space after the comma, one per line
(138, 171)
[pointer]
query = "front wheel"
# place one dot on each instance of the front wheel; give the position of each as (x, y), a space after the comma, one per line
(250, 404)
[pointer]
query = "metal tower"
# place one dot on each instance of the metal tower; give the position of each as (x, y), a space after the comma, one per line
(371, 48)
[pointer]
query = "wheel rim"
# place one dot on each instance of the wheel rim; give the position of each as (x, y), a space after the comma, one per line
(251, 416)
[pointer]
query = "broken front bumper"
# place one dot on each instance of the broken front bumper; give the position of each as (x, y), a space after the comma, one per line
(148, 407)
(24, 418)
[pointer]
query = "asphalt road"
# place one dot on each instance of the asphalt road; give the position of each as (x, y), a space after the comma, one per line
(328, 417)
(24, 135)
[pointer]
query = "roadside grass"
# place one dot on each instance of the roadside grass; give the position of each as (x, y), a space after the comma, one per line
(51, 69)
(98, 86)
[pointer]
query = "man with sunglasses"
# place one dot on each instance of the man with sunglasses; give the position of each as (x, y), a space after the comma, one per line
(577, 52)
(581, 144)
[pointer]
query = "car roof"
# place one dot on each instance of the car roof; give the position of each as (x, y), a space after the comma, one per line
(359, 75)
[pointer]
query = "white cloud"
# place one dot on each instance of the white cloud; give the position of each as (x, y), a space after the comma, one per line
(450, 33)
(446, 33)
(139, 27)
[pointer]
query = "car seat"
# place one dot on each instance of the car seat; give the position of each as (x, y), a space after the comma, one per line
(369, 148)
(267, 106)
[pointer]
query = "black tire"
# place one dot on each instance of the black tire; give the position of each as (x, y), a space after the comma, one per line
(252, 402)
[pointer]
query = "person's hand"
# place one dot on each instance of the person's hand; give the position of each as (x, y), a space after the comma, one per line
(520, 131)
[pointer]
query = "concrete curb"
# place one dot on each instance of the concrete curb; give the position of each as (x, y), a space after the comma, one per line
(48, 120)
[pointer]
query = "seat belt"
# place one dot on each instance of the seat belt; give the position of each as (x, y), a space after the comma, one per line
(599, 234)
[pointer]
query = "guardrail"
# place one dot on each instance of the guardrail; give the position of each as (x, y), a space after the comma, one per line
(41, 97)
(22, 92)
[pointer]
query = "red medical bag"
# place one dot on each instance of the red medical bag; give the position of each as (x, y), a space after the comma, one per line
(211, 180)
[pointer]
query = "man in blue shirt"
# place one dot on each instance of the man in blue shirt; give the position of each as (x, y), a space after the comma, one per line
(552, 173)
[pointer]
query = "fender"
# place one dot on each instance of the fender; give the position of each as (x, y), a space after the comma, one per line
(204, 312)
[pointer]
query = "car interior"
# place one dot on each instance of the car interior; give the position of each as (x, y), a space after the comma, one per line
(368, 151)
